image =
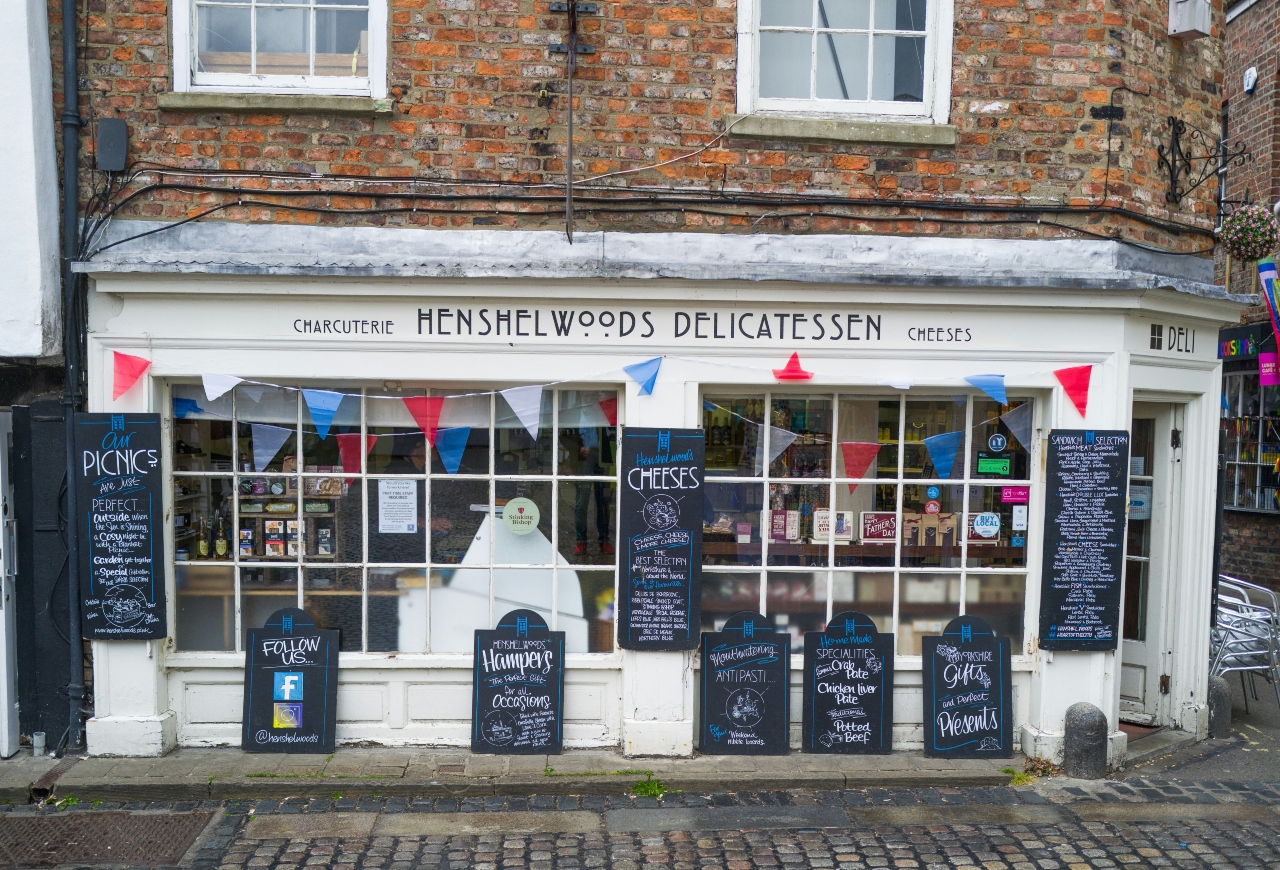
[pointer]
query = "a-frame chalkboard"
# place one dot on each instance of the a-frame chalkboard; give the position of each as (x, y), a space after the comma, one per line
(518, 687)
(290, 685)
(968, 697)
(848, 687)
(746, 698)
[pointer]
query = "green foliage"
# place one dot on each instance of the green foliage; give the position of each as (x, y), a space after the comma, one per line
(650, 787)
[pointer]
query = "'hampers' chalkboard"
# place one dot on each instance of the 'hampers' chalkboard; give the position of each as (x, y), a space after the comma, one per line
(848, 687)
(290, 685)
(745, 692)
(661, 525)
(518, 687)
(968, 699)
(1084, 510)
(118, 493)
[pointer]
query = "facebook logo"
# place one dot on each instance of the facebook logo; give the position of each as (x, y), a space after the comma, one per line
(288, 686)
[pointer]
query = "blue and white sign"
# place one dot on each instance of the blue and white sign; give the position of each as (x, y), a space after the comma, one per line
(933, 492)
(986, 525)
(1139, 501)
(997, 442)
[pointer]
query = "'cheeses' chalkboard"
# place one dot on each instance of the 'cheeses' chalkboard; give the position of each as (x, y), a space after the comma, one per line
(518, 687)
(1084, 507)
(848, 687)
(968, 699)
(290, 685)
(745, 693)
(118, 494)
(661, 524)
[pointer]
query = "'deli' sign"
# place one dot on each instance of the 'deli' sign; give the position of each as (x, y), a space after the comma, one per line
(848, 687)
(518, 687)
(968, 698)
(118, 493)
(661, 525)
(745, 693)
(290, 685)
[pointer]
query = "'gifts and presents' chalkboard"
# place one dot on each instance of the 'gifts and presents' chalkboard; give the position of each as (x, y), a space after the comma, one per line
(118, 495)
(848, 687)
(661, 523)
(1084, 508)
(745, 693)
(290, 685)
(968, 699)
(519, 687)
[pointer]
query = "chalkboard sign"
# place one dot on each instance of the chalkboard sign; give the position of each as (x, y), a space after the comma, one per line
(290, 685)
(746, 697)
(968, 699)
(118, 493)
(518, 687)
(662, 504)
(848, 687)
(1088, 473)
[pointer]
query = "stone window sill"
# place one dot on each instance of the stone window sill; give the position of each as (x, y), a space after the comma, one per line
(314, 104)
(837, 130)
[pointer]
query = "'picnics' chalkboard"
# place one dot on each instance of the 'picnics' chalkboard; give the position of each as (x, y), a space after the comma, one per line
(1084, 508)
(518, 687)
(745, 693)
(968, 699)
(661, 602)
(848, 687)
(118, 493)
(290, 685)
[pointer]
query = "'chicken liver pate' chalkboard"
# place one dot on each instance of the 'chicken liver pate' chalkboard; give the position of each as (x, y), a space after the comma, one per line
(518, 687)
(290, 685)
(661, 525)
(848, 687)
(968, 699)
(745, 692)
(118, 493)
(1088, 473)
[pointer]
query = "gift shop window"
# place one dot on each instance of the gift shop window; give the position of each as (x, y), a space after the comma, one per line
(405, 522)
(910, 509)
(1251, 415)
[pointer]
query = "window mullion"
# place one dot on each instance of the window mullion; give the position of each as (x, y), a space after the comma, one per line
(253, 37)
(235, 517)
(364, 530)
(831, 505)
(766, 531)
(897, 546)
(963, 531)
(555, 509)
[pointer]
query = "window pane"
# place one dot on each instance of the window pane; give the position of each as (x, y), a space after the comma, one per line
(926, 419)
(471, 413)
(930, 518)
(785, 64)
(334, 507)
(266, 426)
(523, 522)
(725, 594)
(731, 523)
(518, 452)
(459, 605)
(588, 432)
(397, 610)
(201, 430)
(796, 537)
(996, 453)
(223, 39)
(900, 15)
(842, 66)
(459, 509)
(997, 533)
(844, 14)
(586, 519)
(263, 591)
(809, 420)
(333, 596)
(398, 447)
(871, 594)
(786, 13)
(866, 523)
(1141, 457)
(899, 69)
(326, 454)
(202, 520)
(268, 521)
(1135, 599)
(998, 598)
(206, 607)
(868, 442)
(518, 587)
(397, 521)
(342, 43)
(597, 590)
(282, 42)
(733, 435)
(929, 602)
(796, 602)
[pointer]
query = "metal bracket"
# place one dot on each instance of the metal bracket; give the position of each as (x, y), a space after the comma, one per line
(561, 48)
(1193, 157)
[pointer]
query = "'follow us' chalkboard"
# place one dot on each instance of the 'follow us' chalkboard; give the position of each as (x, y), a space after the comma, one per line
(290, 685)
(518, 687)
(118, 494)
(661, 523)
(968, 699)
(1084, 507)
(848, 687)
(745, 692)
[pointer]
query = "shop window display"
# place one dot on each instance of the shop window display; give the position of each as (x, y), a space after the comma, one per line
(1251, 415)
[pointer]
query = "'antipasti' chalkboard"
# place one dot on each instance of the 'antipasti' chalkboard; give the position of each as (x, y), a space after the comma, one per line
(290, 685)
(848, 687)
(519, 687)
(118, 493)
(660, 605)
(968, 699)
(1084, 512)
(745, 693)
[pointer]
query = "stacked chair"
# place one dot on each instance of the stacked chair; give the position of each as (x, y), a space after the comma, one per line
(1246, 634)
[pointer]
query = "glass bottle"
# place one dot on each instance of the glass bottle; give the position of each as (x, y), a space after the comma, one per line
(221, 542)
(202, 539)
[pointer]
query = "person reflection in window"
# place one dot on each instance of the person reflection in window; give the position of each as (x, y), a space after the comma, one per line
(588, 463)
(408, 455)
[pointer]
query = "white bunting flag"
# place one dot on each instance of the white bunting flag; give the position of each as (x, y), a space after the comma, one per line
(216, 385)
(526, 402)
(267, 441)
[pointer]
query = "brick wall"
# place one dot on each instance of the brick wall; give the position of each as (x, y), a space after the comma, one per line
(1251, 547)
(478, 98)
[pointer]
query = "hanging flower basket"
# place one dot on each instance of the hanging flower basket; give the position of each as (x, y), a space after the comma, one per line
(1250, 233)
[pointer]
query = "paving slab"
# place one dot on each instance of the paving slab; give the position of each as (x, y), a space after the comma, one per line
(472, 824)
(724, 818)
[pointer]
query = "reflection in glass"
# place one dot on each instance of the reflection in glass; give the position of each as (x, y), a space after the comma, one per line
(518, 451)
(799, 523)
(842, 66)
(999, 599)
(596, 588)
(844, 14)
(870, 593)
(201, 430)
(586, 519)
(206, 607)
(724, 594)
(731, 523)
(732, 426)
(397, 610)
(796, 602)
(523, 531)
(224, 37)
(264, 590)
(786, 13)
(899, 69)
(929, 602)
(333, 597)
(398, 445)
(342, 42)
(458, 510)
(283, 42)
(1135, 599)
(900, 15)
(781, 76)
(588, 432)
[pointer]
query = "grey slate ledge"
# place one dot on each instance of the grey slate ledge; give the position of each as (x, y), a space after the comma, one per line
(816, 129)
(306, 104)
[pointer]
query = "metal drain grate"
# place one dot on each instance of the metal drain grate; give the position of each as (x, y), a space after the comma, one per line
(137, 839)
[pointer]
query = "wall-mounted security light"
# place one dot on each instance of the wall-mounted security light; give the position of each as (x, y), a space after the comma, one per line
(1251, 80)
(1189, 19)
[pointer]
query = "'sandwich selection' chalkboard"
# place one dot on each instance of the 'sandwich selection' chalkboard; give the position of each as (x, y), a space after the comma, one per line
(118, 494)
(518, 687)
(661, 525)
(290, 685)
(968, 698)
(745, 691)
(1088, 473)
(848, 687)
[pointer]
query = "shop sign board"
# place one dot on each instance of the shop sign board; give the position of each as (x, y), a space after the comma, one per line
(745, 692)
(518, 687)
(661, 524)
(118, 491)
(1085, 503)
(968, 696)
(290, 685)
(848, 687)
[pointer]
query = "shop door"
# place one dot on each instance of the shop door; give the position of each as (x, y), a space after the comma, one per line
(1154, 476)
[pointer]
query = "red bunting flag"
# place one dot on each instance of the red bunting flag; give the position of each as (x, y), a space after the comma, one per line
(349, 450)
(792, 370)
(610, 408)
(858, 456)
(1075, 381)
(127, 371)
(426, 413)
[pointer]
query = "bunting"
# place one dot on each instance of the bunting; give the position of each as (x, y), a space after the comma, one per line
(792, 371)
(267, 441)
(610, 409)
(183, 407)
(858, 456)
(779, 440)
(217, 385)
(992, 385)
(127, 371)
(349, 449)
(1018, 421)
(425, 411)
(645, 374)
(1270, 282)
(323, 406)
(1075, 381)
(942, 451)
(450, 444)
(526, 403)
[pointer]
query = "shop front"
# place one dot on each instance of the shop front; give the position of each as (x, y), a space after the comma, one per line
(408, 459)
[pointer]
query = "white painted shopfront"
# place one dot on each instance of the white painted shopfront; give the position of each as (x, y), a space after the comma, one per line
(889, 357)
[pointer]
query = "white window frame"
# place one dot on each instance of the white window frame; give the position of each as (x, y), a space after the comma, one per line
(186, 79)
(934, 109)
